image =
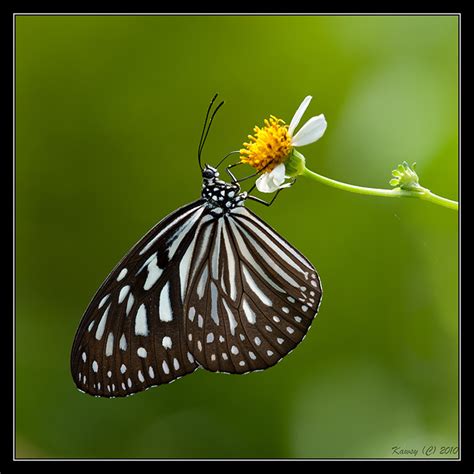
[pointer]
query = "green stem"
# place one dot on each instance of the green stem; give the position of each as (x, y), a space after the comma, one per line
(435, 199)
(421, 193)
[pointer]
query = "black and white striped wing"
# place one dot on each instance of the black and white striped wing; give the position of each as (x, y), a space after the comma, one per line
(131, 335)
(252, 297)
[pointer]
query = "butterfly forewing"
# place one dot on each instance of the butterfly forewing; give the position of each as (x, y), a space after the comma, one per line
(131, 336)
(252, 298)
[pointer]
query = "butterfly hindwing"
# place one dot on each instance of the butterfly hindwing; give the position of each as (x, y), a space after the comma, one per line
(252, 298)
(131, 335)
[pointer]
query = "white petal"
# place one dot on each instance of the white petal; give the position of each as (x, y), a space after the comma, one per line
(311, 131)
(271, 182)
(299, 113)
(264, 184)
(278, 173)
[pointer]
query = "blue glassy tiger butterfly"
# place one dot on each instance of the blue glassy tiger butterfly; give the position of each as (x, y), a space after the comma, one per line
(211, 285)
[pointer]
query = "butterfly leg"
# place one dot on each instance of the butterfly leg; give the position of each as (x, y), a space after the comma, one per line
(229, 172)
(262, 201)
(235, 180)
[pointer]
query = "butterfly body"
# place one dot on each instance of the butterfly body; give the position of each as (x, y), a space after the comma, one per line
(220, 196)
(210, 285)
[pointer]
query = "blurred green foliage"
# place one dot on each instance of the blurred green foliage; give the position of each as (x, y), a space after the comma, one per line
(109, 111)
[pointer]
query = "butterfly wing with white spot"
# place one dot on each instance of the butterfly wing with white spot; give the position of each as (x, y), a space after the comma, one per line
(252, 299)
(131, 335)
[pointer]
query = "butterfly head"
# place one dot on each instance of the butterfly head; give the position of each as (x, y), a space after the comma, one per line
(209, 175)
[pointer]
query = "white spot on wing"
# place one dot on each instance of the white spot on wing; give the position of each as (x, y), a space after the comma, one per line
(166, 313)
(166, 342)
(141, 322)
(122, 274)
(230, 264)
(202, 282)
(130, 302)
(101, 327)
(123, 293)
(109, 348)
(103, 300)
(232, 321)
(204, 244)
(214, 313)
(216, 251)
(154, 273)
(141, 352)
(123, 343)
(185, 266)
(249, 313)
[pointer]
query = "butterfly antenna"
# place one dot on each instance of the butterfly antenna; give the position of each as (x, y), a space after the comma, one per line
(206, 127)
(235, 152)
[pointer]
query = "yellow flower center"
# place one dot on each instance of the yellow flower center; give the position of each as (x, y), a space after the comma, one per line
(269, 146)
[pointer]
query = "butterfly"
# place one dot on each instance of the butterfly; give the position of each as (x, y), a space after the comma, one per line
(211, 285)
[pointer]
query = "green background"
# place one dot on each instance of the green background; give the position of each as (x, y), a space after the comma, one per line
(108, 117)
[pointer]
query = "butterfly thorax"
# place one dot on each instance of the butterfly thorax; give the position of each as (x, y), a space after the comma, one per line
(220, 194)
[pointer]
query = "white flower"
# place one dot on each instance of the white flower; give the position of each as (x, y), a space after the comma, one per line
(310, 132)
